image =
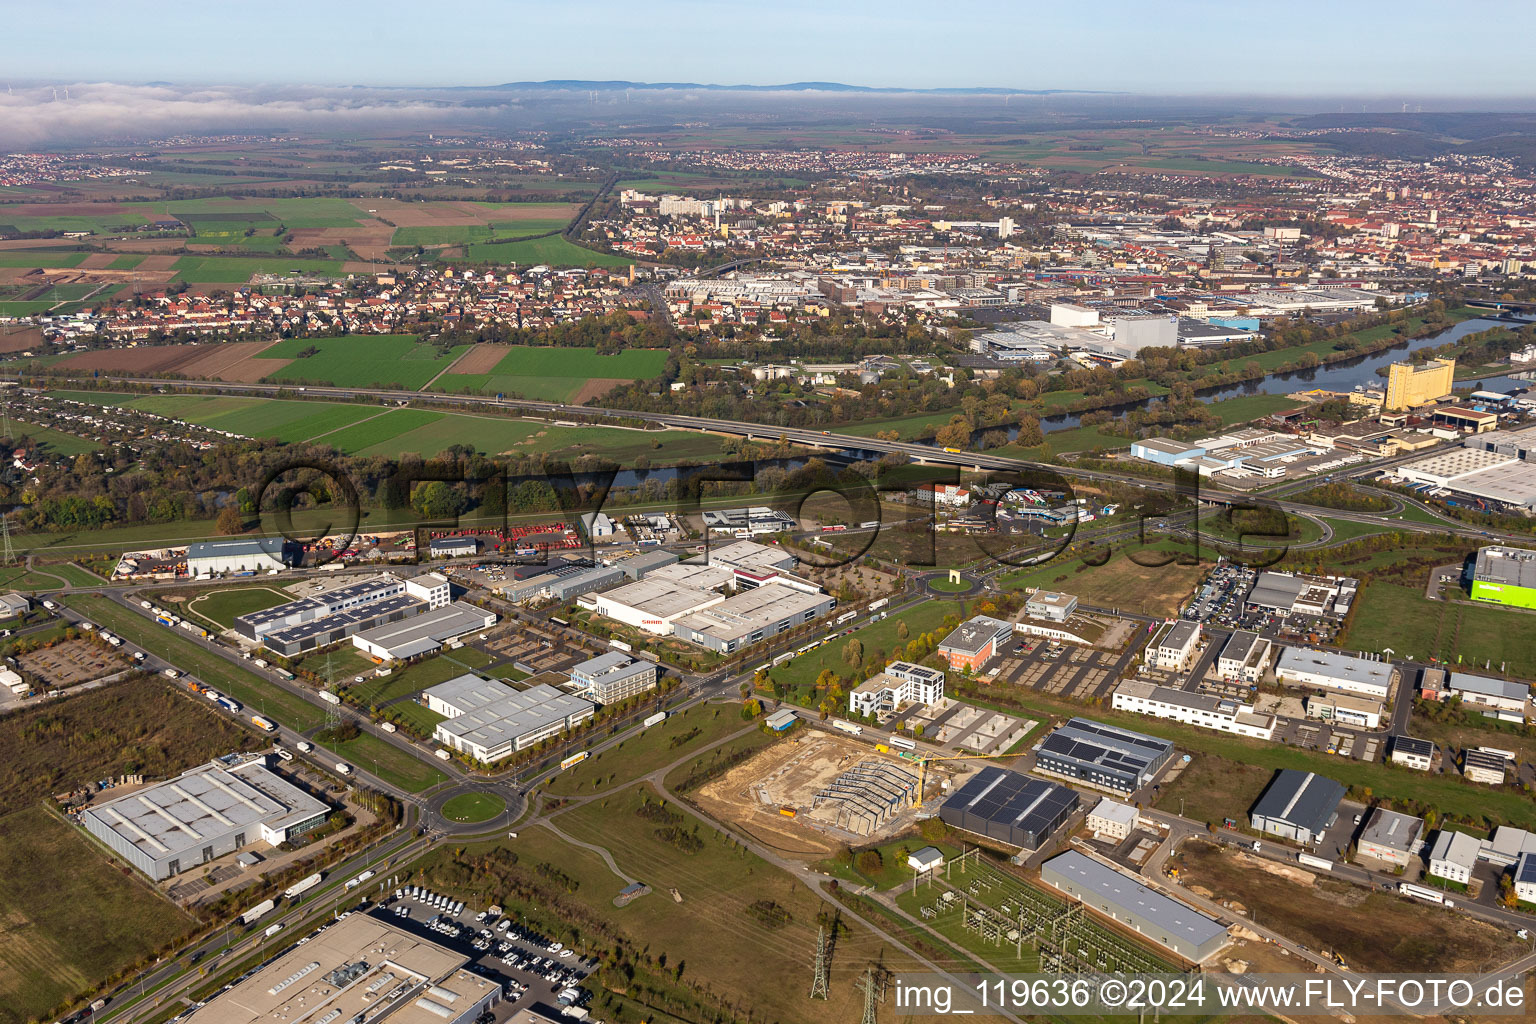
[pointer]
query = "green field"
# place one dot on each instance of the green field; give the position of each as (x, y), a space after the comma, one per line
(473, 807)
(1388, 615)
(395, 766)
(389, 361)
(259, 695)
(554, 374)
(376, 691)
(72, 920)
(802, 670)
(461, 234)
(55, 442)
(240, 269)
(286, 421)
(552, 251)
(656, 747)
(221, 607)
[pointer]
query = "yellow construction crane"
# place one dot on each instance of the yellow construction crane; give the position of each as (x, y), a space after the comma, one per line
(922, 767)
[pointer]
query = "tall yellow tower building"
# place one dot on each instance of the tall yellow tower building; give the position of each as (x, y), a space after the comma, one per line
(1410, 385)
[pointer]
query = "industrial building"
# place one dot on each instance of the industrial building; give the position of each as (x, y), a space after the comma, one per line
(1104, 756)
(1524, 874)
(1288, 593)
(1332, 670)
(452, 547)
(1244, 657)
(244, 554)
(1161, 919)
(745, 554)
(560, 582)
(751, 617)
(975, 642)
(1173, 649)
(1298, 806)
(1050, 607)
(358, 968)
(1111, 819)
(1493, 475)
(1412, 752)
(748, 522)
(637, 567)
(1506, 576)
(1390, 836)
(612, 677)
(866, 796)
(1192, 708)
(653, 604)
(901, 683)
(490, 721)
(1013, 809)
(1453, 856)
(1504, 698)
(1410, 385)
(423, 633)
(328, 617)
(203, 814)
(1341, 709)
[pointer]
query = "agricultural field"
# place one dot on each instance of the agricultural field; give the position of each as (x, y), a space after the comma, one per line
(1455, 631)
(54, 442)
(90, 921)
(1121, 582)
(286, 421)
(388, 361)
(553, 251)
(554, 374)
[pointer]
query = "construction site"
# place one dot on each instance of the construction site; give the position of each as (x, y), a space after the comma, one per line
(967, 727)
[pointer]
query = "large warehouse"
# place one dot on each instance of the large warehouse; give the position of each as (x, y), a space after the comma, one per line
(1505, 576)
(1298, 806)
(1013, 809)
(751, 617)
(1331, 670)
(1162, 919)
(1104, 756)
(203, 814)
(424, 633)
(654, 604)
(490, 721)
(1492, 474)
(359, 968)
(241, 554)
(330, 616)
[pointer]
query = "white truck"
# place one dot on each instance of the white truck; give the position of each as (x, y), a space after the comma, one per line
(343, 768)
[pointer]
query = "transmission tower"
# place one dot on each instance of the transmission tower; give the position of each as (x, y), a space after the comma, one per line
(819, 979)
(873, 984)
(332, 711)
(8, 554)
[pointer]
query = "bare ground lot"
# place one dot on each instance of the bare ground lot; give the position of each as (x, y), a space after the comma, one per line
(1372, 931)
(480, 359)
(19, 340)
(202, 360)
(596, 387)
(70, 663)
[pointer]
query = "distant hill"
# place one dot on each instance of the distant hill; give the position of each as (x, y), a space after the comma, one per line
(577, 84)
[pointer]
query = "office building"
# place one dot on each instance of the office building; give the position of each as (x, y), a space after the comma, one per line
(1298, 806)
(330, 616)
(1289, 593)
(1193, 708)
(1244, 657)
(975, 642)
(243, 554)
(357, 969)
(1010, 808)
(901, 684)
(612, 677)
(1173, 649)
(1391, 837)
(430, 588)
(201, 815)
(1484, 766)
(491, 721)
(1120, 897)
(1525, 878)
(1050, 607)
(1504, 575)
(1410, 385)
(423, 633)
(1332, 670)
(1104, 756)
(1111, 819)
(1412, 752)
(1342, 709)
(1453, 856)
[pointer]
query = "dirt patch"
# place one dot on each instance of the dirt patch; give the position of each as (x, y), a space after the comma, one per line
(1372, 931)
(159, 263)
(97, 261)
(145, 244)
(217, 360)
(480, 359)
(145, 359)
(70, 663)
(21, 340)
(595, 387)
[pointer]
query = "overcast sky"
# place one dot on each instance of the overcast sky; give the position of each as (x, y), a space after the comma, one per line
(1406, 48)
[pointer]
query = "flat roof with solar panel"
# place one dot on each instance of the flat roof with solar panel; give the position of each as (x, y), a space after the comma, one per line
(1102, 755)
(1011, 808)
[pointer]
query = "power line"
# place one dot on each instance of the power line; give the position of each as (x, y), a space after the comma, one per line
(819, 980)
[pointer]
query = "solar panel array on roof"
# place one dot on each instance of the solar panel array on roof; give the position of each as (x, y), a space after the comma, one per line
(1009, 807)
(1103, 755)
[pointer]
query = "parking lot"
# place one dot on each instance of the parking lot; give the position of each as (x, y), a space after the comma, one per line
(535, 968)
(1063, 670)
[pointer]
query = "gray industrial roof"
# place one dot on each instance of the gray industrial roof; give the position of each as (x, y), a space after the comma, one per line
(1392, 830)
(1012, 802)
(1121, 890)
(425, 632)
(1302, 799)
(1336, 665)
(971, 636)
(1515, 567)
(1505, 688)
(237, 546)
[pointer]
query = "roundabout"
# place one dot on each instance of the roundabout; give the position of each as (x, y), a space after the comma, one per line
(472, 808)
(941, 584)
